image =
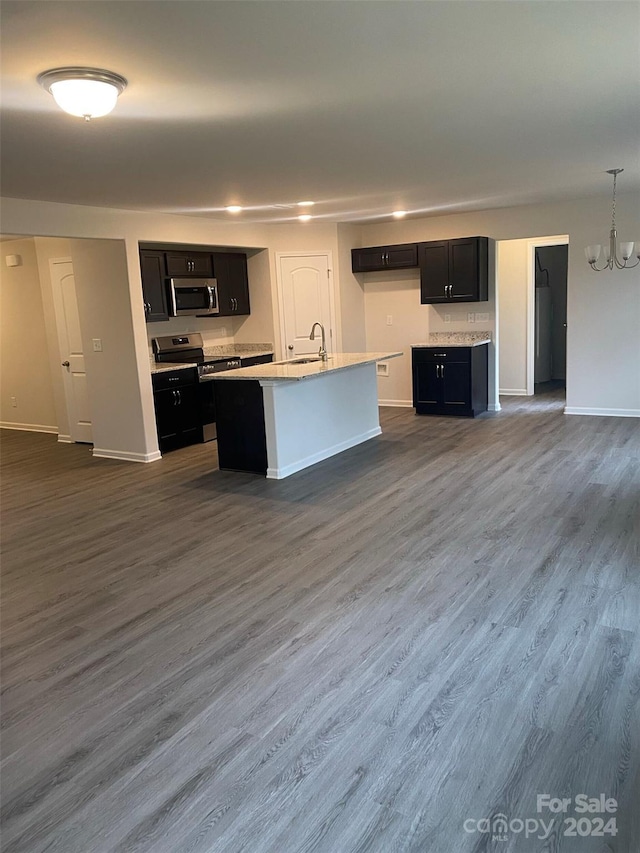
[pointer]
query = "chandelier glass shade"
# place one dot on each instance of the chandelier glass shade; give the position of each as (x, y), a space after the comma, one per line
(84, 92)
(610, 252)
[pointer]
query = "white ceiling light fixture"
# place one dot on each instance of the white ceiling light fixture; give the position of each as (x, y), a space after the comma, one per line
(306, 203)
(304, 217)
(399, 214)
(611, 251)
(234, 208)
(84, 92)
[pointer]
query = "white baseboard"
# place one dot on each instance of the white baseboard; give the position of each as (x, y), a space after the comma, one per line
(603, 413)
(513, 392)
(287, 470)
(28, 427)
(494, 407)
(65, 439)
(125, 456)
(400, 404)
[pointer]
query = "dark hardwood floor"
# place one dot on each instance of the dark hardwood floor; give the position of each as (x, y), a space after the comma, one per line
(432, 628)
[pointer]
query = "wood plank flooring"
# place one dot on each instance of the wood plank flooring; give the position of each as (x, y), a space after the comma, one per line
(433, 627)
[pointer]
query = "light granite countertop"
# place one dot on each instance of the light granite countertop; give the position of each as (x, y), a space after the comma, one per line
(219, 351)
(455, 339)
(287, 370)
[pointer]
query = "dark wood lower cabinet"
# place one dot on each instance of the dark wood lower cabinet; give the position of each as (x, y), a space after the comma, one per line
(177, 407)
(242, 442)
(450, 380)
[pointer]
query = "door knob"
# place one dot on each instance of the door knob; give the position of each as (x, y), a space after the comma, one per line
(66, 364)
(290, 346)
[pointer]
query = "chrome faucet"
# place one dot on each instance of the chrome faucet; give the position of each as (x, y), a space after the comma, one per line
(322, 352)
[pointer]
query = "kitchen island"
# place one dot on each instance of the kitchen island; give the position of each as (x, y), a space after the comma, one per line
(276, 419)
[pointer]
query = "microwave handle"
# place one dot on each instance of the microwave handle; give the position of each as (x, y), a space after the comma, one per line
(211, 298)
(174, 307)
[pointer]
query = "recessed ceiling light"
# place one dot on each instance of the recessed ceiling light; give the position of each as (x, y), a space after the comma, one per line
(399, 213)
(234, 208)
(304, 217)
(84, 92)
(306, 203)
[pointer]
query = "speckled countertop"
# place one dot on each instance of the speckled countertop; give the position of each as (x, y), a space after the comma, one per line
(455, 339)
(219, 351)
(287, 370)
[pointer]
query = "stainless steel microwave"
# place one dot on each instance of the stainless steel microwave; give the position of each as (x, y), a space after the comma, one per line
(195, 297)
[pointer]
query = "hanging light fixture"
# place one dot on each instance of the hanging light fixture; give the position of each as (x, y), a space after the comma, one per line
(611, 251)
(84, 92)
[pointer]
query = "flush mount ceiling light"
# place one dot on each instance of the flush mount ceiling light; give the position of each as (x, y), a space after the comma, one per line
(304, 217)
(84, 92)
(234, 208)
(399, 214)
(611, 251)
(306, 203)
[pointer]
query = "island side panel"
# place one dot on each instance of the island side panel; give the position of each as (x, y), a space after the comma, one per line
(311, 420)
(242, 443)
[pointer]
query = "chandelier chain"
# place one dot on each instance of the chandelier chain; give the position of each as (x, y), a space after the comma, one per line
(613, 206)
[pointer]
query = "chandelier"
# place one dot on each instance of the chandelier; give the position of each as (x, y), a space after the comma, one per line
(611, 251)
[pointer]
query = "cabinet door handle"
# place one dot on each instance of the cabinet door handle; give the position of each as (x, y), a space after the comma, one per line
(179, 398)
(442, 371)
(437, 371)
(175, 399)
(450, 291)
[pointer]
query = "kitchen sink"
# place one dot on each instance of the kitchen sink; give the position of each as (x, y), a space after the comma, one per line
(304, 360)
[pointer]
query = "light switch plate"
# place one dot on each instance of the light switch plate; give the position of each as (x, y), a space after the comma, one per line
(97, 344)
(447, 318)
(482, 317)
(471, 317)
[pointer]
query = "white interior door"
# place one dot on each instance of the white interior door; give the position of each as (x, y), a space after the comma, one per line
(71, 350)
(306, 291)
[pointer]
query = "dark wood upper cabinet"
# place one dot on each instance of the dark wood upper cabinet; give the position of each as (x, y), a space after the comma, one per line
(454, 270)
(158, 264)
(378, 258)
(189, 263)
(230, 272)
(154, 291)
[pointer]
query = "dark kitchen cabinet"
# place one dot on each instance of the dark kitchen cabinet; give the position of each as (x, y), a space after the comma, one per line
(378, 258)
(454, 270)
(450, 380)
(230, 271)
(154, 291)
(177, 407)
(242, 442)
(249, 361)
(189, 263)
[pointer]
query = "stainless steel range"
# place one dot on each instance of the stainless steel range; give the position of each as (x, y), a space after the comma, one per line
(189, 349)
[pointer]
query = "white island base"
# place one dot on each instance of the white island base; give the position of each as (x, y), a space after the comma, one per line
(306, 422)
(276, 419)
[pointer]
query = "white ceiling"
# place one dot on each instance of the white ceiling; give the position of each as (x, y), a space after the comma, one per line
(362, 106)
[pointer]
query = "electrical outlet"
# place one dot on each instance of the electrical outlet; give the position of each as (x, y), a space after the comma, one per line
(482, 316)
(97, 344)
(389, 320)
(471, 317)
(447, 318)
(14, 402)
(383, 368)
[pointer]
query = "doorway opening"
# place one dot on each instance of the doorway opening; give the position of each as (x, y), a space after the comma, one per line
(550, 266)
(531, 321)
